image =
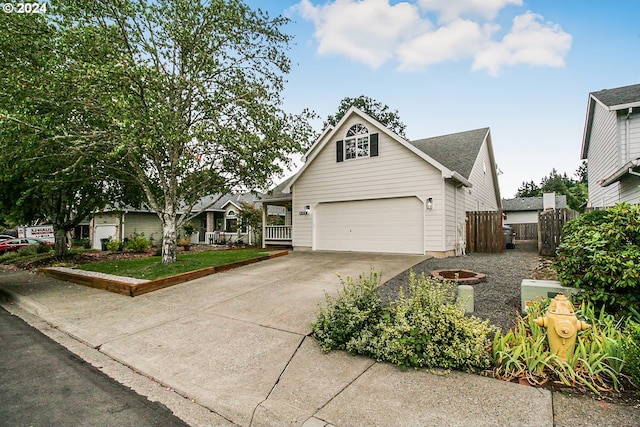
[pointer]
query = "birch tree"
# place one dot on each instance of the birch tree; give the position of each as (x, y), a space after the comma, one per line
(192, 93)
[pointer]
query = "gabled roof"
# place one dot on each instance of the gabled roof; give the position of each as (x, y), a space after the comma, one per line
(457, 151)
(329, 133)
(236, 199)
(277, 194)
(530, 203)
(619, 98)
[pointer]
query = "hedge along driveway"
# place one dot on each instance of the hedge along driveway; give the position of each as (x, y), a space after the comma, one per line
(116, 276)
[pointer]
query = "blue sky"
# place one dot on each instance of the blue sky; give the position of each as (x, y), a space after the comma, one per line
(522, 68)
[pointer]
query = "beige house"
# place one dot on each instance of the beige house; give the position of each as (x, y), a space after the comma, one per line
(216, 223)
(365, 189)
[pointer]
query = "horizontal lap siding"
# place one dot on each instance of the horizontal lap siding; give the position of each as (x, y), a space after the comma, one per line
(143, 223)
(482, 196)
(603, 157)
(396, 172)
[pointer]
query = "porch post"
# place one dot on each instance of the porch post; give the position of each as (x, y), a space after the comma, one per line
(265, 207)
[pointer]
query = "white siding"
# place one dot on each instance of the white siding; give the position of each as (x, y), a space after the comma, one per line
(395, 172)
(630, 148)
(603, 157)
(455, 217)
(521, 217)
(482, 197)
(630, 189)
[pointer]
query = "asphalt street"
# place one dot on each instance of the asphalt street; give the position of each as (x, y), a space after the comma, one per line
(43, 384)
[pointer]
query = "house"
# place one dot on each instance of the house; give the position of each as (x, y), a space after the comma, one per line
(216, 223)
(521, 213)
(363, 188)
(611, 146)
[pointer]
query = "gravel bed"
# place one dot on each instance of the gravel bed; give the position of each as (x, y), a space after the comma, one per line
(497, 299)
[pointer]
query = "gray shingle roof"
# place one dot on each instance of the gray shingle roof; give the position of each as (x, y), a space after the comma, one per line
(276, 192)
(530, 203)
(619, 95)
(457, 151)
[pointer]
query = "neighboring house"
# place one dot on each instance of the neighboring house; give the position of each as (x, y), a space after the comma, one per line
(216, 223)
(365, 189)
(522, 213)
(611, 146)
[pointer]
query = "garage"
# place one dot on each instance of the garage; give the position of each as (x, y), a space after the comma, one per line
(394, 225)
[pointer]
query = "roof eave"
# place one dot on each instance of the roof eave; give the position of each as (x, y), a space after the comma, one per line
(620, 173)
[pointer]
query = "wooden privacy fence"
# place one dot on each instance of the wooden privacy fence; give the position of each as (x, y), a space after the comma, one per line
(484, 232)
(550, 229)
(525, 231)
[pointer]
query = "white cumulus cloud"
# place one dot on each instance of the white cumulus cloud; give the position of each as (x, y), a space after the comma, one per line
(530, 41)
(367, 31)
(450, 10)
(374, 32)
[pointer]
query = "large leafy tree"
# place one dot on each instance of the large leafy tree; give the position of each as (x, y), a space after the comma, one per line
(193, 96)
(377, 110)
(182, 97)
(45, 113)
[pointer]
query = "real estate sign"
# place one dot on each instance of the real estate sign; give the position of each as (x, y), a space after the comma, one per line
(42, 232)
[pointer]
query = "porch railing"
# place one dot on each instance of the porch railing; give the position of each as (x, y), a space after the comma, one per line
(278, 232)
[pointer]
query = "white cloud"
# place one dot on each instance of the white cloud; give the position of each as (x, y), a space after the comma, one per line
(375, 32)
(530, 41)
(453, 41)
(367, 31)
(450, 10)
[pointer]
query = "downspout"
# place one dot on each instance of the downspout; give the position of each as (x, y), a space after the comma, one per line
(627, 145)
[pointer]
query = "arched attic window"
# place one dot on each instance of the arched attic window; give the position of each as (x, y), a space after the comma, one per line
(358, 143)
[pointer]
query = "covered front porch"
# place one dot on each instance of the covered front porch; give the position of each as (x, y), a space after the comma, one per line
(276, 217)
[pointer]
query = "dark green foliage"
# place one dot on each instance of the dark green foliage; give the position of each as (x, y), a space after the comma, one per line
(600, 253)
(424, 329)
(631, 348)
(346, 317)
(382, 113)
(561, 184)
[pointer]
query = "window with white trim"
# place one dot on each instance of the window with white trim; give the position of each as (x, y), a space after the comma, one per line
(356, 142)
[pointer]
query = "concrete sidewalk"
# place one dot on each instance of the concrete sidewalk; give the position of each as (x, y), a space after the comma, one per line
(237, 343)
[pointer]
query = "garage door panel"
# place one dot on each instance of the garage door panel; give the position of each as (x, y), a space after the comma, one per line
(382, 225)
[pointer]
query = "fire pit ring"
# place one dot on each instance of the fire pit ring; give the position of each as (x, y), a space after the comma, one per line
(460, 276)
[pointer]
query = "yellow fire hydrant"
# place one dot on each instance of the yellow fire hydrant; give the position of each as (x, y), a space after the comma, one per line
(562, 327)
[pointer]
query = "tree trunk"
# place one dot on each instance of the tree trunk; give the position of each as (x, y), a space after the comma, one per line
(169, 239)
(60, 246)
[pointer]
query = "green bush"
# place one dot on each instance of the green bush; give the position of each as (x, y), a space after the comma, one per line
(43, 248)
(631, 347)
(28, 250)
(8, 256)
(137, 243)
(352, 313)
(113, 245)
(424, 329)
(523, 353)
(600, 253)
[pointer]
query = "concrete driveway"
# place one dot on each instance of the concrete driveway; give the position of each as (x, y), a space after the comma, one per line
(237, 344)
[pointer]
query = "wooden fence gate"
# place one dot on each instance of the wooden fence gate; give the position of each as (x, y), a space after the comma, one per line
(484, 232)
(550, 225)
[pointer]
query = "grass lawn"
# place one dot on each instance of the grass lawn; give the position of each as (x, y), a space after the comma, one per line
(152, 268)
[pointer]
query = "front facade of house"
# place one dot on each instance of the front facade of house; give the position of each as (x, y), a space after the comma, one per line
(217, 223)
(611, 146)
(365, 189)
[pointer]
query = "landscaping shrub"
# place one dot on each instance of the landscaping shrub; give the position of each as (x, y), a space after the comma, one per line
(523, 353)
(426, 329)
(423, 329)
(345, 318)
(28, 250)
(600, 253)
(631, 347)
(8, 256)
(137, 243)
(113, 245)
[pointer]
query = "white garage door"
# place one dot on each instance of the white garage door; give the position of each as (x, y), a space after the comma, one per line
(381, 225)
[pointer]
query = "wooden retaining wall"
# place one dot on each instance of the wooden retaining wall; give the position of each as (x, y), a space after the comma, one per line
(143, 287)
